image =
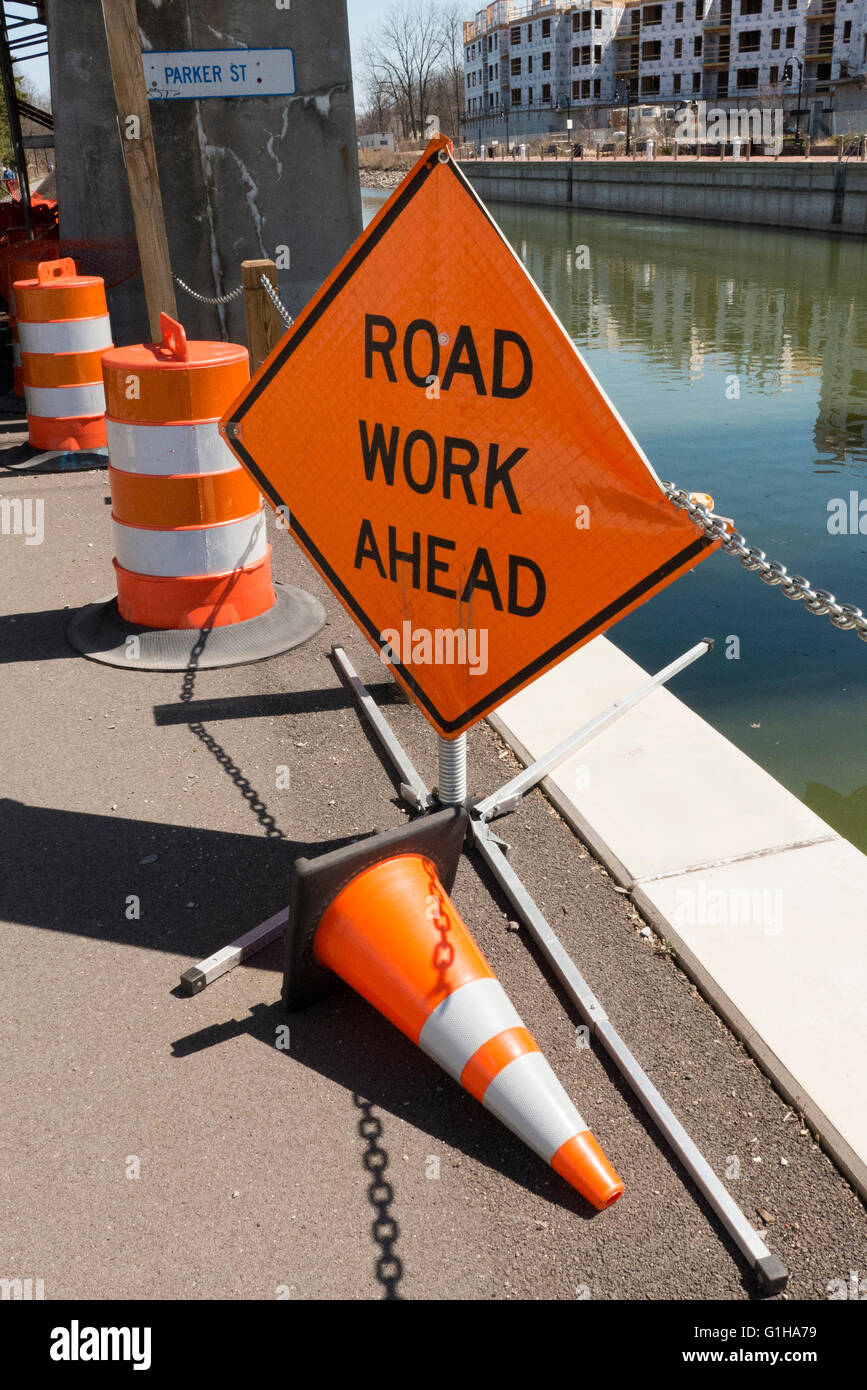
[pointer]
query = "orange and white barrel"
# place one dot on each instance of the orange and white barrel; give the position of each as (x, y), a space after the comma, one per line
(23, 268)
(63, 328)
(191, 549)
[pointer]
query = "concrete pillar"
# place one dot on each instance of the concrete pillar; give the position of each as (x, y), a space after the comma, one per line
(242, 178)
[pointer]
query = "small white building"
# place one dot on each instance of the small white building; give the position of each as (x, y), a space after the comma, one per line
(376, 142)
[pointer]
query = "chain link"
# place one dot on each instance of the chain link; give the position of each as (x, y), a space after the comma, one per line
(819, 602)
(205, 299)
(276, 301)
(233, 294)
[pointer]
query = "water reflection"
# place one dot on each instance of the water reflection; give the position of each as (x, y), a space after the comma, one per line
(774, 308)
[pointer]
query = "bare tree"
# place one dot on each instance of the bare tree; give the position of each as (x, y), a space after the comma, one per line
(401, 59)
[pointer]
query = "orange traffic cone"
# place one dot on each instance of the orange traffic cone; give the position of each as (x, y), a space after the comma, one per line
(377, 914)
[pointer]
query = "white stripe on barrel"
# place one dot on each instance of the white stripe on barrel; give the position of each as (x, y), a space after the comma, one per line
(193, 550)
(169, 449)
(65, 335)
(60, 402)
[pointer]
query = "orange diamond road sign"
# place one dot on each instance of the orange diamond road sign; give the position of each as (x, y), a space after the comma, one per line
(449, 463)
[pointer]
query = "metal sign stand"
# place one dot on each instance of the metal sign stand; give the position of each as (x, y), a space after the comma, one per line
(452, 790)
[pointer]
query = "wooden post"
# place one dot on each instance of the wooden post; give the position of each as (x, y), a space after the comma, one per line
(127, 73)
(264, 324)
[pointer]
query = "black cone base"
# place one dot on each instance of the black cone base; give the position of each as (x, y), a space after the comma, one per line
(317, 882)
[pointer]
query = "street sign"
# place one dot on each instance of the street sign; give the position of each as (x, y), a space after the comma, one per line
(447, 461)
(219, 72)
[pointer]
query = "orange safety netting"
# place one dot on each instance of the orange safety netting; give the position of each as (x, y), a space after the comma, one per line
(115, 259)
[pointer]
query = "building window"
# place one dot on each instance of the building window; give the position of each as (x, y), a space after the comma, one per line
(790, 36)
(696, 81)
(696, 47)
(585, 89)
(546, 28)
(750, 41)
(597, 87)
(747, 78)
(516, 67)
(678, 12)
(546, 94)
(585, 56)
(753, 6)
(576, 57)
(778, 4)
(597, 19)
(675, 84)
(529, 96)
(678, 48)
(585, 20)
(530, 63)
(774, 75)
(576, 23)
(529, 33)
(516, 96)
(576, 91)
(650, 86)
(776, 35)
(651, 14)
(515, 34)
(847, 31)
(546, 62)
(597, 53)
(793, 4)
(652, 51)
(699, 9)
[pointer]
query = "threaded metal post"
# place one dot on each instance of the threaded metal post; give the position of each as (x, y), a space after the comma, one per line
(452, 781)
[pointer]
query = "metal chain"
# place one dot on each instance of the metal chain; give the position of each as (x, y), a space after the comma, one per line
(233, 294)
(276, 301)
(817, 601)
(205, 299)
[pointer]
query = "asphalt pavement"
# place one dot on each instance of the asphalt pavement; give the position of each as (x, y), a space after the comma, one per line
(157, 1146)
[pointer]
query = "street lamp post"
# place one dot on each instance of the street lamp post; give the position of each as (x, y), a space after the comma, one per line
(788, 74)
(624, 84)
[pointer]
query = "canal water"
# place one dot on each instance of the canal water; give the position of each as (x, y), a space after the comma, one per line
(738, 358)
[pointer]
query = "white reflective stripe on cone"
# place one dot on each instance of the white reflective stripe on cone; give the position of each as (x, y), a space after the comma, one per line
(65, 335)
(528, 1099)
(192, 550)
(63, 402)
(467, 1018)
(168, 449)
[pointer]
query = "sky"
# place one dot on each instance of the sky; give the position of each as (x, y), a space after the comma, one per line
(363, 15)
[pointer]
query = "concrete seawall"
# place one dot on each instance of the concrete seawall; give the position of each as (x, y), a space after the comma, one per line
(815, 195)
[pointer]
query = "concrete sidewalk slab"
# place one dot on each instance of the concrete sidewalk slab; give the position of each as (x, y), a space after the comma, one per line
(661, 789)
(762, 900)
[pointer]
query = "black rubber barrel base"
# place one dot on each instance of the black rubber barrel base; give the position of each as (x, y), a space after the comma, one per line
(101, 634)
